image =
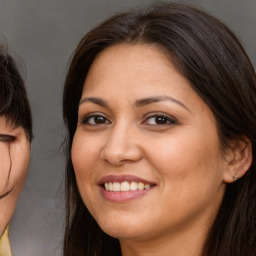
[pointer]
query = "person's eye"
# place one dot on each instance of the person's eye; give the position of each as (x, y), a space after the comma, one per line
(7, 138)
(95, 120)
(159, 119)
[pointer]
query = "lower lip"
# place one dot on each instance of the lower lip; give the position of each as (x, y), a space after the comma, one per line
(123, 196)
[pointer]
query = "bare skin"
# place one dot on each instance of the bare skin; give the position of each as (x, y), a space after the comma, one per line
(140, 119)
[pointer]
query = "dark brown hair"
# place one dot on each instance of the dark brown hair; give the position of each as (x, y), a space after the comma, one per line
(14, 104)
(209, 55)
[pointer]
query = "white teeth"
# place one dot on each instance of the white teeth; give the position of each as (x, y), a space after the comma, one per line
(141, 186)
(125, 186)
(134, 186)
(116, 186)
(147, 186)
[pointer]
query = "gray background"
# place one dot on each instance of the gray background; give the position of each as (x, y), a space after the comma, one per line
(44, 33)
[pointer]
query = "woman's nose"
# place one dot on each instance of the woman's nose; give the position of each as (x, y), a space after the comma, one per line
(122, 146)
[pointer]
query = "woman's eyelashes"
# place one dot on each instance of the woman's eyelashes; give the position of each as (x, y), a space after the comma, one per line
(159, 119)
(94, 119)
(151, 119)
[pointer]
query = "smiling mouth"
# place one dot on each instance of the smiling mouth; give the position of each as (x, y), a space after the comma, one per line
(126, 186)
(123, 188)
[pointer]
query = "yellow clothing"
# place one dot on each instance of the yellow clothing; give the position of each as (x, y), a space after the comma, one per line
(5, 249)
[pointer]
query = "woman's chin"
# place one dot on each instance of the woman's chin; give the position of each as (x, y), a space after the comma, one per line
(124, 231)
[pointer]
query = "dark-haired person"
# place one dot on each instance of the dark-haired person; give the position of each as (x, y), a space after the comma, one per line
(15, 139)
(160, 108)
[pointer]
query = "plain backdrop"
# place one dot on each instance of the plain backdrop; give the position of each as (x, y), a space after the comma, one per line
(44, 34)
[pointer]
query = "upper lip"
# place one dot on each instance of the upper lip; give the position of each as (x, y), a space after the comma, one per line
(122, 178)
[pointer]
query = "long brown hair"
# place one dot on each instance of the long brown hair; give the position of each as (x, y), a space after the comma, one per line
(209, 55)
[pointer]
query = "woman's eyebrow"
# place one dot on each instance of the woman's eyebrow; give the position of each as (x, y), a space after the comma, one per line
(138, 103)
(94, 100)
(154, 99)
(7, 138)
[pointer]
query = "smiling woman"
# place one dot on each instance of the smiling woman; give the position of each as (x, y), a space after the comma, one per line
(15, 139)
(160, 108)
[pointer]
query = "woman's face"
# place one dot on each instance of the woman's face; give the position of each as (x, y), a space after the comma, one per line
(146, 152)
(14, 161)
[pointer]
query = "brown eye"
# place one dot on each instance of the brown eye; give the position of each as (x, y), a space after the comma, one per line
(159, 120)
(99, 120)
(95, 120)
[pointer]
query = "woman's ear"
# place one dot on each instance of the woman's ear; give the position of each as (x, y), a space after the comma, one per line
(238, 158)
